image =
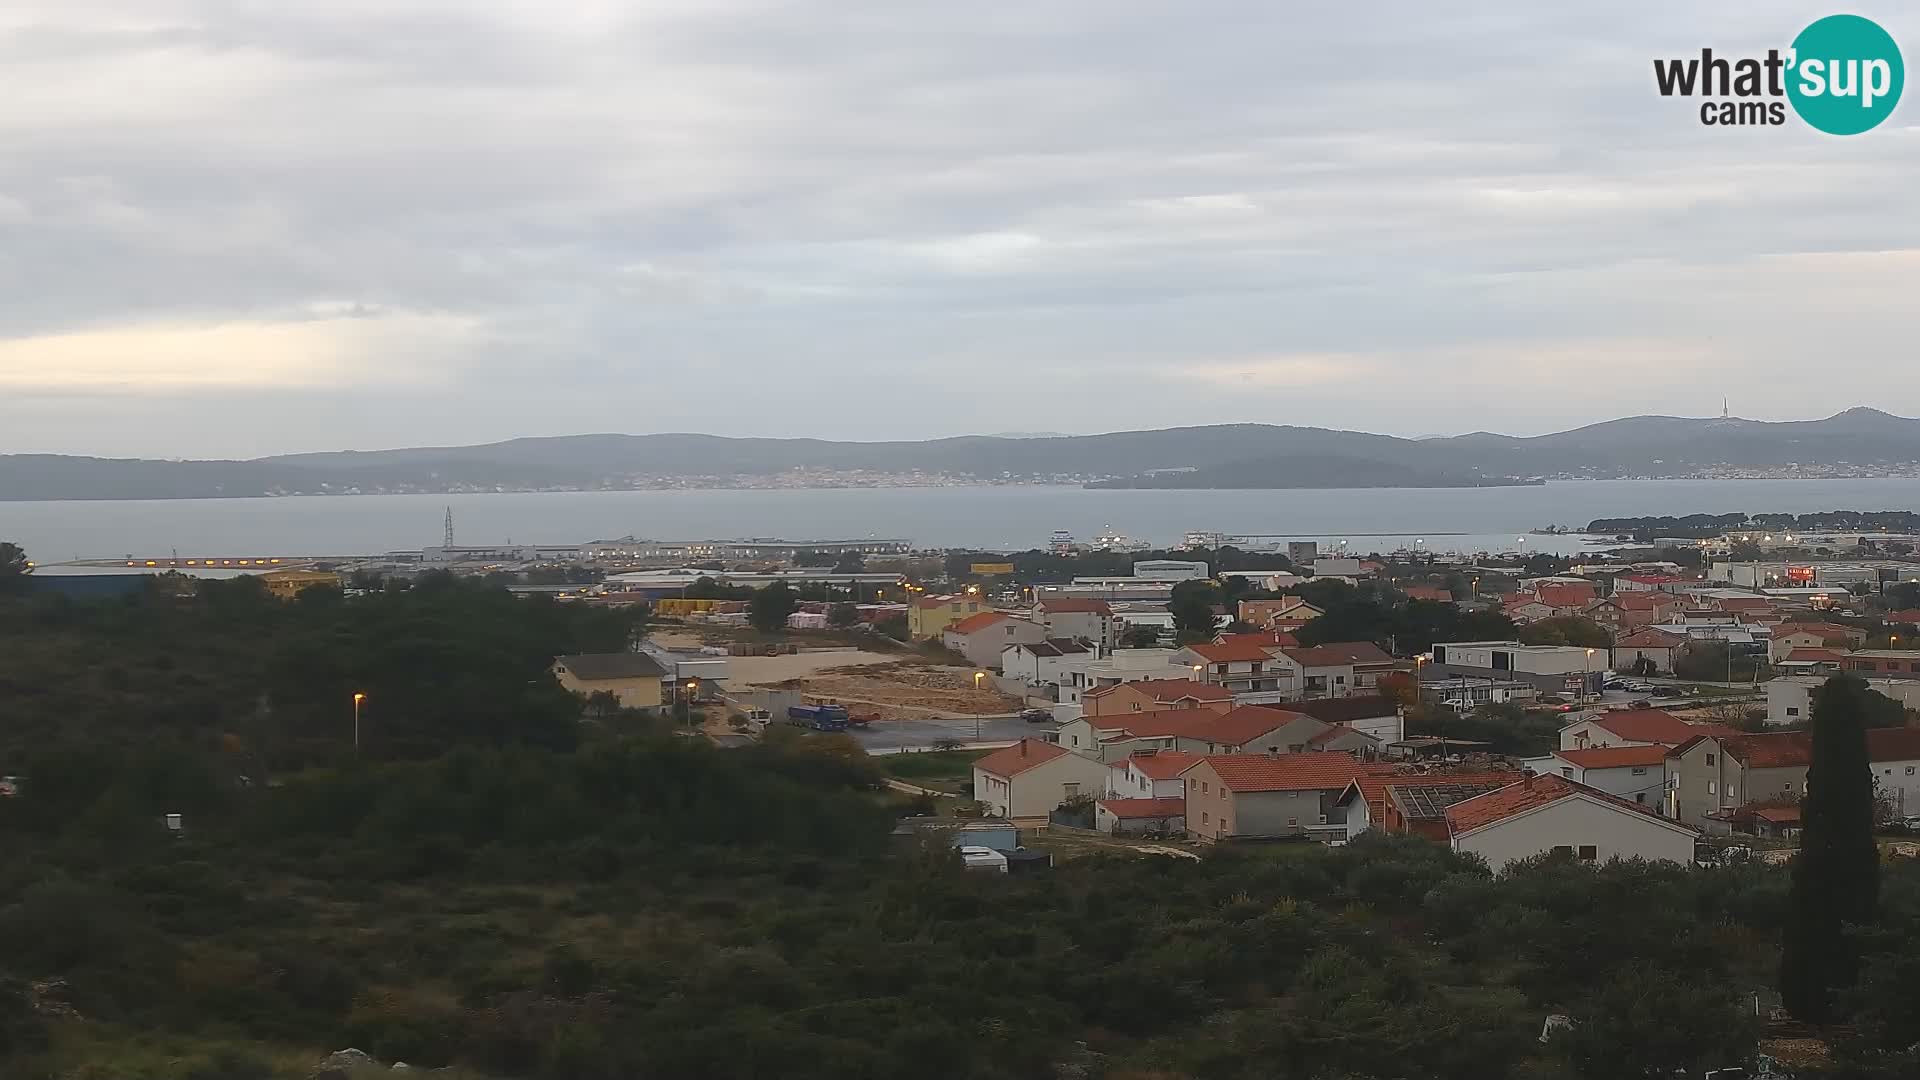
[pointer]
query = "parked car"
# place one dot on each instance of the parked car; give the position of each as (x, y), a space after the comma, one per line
(1037, 716)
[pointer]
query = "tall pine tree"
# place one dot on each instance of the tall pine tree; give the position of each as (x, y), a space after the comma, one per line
(1836, 877)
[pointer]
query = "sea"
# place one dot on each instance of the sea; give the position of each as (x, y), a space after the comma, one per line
(1361, 520)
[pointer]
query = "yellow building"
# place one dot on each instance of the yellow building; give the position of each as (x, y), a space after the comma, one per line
(930, 616)
(287, 584)
(634, 679)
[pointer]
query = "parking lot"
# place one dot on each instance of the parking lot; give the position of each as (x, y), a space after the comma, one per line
(892, 736)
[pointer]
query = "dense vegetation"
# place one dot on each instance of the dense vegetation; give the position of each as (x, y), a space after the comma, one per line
(492, 884)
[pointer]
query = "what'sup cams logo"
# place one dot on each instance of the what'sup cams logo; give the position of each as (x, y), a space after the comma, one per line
(1842, 75)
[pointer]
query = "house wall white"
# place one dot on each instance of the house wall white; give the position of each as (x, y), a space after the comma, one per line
(983, 647)
(1642, 784)
(1578, 822)
(1899, 783)
(1018, 663)
(1037, 791)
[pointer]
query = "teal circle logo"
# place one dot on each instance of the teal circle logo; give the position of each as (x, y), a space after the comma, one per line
(1846, 75)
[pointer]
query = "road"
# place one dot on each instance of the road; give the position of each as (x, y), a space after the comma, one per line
(888, 736)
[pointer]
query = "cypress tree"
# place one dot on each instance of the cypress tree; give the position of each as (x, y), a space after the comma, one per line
(1836, 877)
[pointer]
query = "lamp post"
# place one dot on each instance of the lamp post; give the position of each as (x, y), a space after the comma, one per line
(693, 685)
(978, 678)
(358, 697)
(1586, 679)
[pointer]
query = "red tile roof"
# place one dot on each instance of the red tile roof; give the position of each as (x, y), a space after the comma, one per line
(1235, 650)
(1893, 744)
(1183, 723)
(1774, 750)
(1339, 654)
(1648, 638)
(1779, 815)
(1641, 601)
(1245, 723)
(1743, 603)
(1427, 592)
(973, 623)
(1819, 656)
(1566, 594)
(1910, 616)
(1614, 757)
(1373, 787)
(1288, 772)
(1655, 726)
(1018, 758)
(1131, 809)
(1169, 690)
(1529, 794)
(1161, 764)
(1826, 631)
(1070, 603)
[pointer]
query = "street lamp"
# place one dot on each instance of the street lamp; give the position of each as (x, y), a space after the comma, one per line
(358, 697)
(978, 678)
(1587, 680)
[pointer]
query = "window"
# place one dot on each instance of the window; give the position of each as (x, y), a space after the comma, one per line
(1203, 787)
(1566, 771)
(1070, 790)
(1341, 680)
(1562, 849)
(1203, 817)
(1293, 823)
(1709, 761)
(1589, 853)
(1640, 770)
(1640, 797)
(1909, 770)
(1793, 710)
(1712, 788)
(1136, 706)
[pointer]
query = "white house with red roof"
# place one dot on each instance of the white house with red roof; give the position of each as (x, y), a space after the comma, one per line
(1044, 663)
(1240, 664)
(981, 638)
(1250, 728)
(1031, 778)
(1150, 774)
(1626, 611)
(1091, 621)
(1270, 795)
(1550, 813)
(1634, 727)
(1637, 774)
(1656, 647)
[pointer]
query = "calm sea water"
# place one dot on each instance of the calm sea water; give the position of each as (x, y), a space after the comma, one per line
(1480, 519)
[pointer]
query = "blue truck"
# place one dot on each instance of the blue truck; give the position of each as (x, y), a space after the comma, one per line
(819, 717)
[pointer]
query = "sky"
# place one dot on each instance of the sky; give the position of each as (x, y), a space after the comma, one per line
(232, 228)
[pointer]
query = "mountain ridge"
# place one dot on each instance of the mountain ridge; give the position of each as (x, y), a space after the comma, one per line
(1235, 455)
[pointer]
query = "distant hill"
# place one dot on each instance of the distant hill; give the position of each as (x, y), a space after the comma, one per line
(1225, 456)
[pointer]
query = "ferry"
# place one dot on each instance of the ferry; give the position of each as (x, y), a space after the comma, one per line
(1110, 539)
(1061, 542)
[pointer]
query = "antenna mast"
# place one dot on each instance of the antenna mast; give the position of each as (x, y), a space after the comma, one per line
(448, 542)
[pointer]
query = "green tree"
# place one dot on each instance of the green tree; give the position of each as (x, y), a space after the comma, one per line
(1836, 877)
(1140, 637)
(842, 615)
(1651, 1022)
(1567, 630)
(1192, 606)
(769, 608)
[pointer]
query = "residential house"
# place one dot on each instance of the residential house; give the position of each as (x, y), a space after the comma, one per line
(1151, 695)
(1709, 776)
(1656, 647)
(1086, 620)
(634, 679)
(1149, 774)
(1031, 778)
(1821, 635)
(1240, 666)
(1043, 663)
(1411, 802)
(1427, 592)
(1248, 729)
(1086, 674)
(1239, 796)
(1651, 583)
(1626, 611)
(982, 638)
(929, 616)
(1550, 813)
(1906, 617)
(1141, 817)
(1895, 756)
(1634, 727)
(1524, 609)
(1374, 715)
(1811, 662)
(1882, 663)
(1340, 668)
(1290, 610)
(1637, 773)
(1566, 597)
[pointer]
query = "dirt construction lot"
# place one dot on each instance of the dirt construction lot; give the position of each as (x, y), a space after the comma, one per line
(906, 690)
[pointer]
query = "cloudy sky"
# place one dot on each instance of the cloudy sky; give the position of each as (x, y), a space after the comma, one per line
(242, 227)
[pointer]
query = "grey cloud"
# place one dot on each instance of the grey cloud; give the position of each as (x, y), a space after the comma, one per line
(926, 218)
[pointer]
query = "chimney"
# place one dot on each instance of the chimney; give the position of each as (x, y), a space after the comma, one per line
(1023, 748)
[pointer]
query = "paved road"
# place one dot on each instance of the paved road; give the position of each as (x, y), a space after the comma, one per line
(885, 736)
